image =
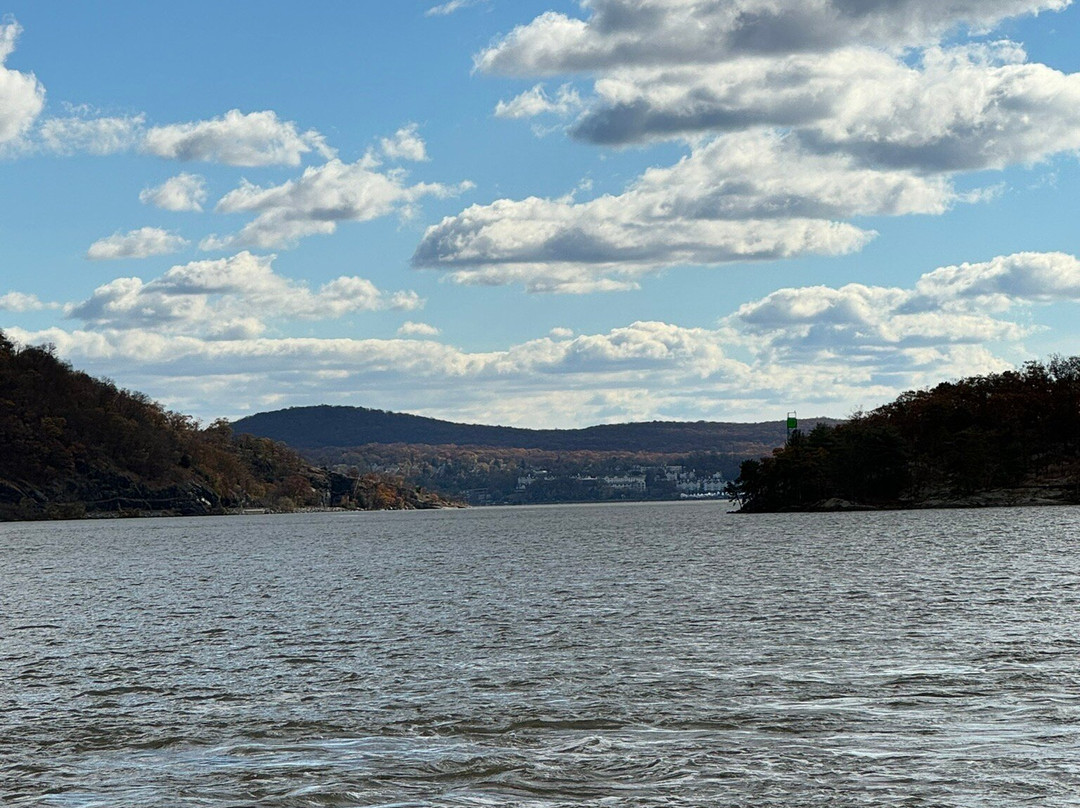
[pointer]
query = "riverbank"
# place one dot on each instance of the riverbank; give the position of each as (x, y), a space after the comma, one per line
(1023, 497)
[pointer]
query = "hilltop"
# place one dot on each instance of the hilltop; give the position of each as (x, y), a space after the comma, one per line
(497, 464)
(1009, 438)
(329, 426)
(78, 446)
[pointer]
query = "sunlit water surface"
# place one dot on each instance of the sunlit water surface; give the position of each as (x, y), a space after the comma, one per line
(638, 655)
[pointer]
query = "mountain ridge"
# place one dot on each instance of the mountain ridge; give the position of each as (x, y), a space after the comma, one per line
(323, 426)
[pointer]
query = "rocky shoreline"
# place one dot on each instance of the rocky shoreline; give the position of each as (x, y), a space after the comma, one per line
(120, 497)
(1023, 497)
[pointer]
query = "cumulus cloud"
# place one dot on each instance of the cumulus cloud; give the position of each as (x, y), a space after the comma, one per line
(184, 192)
(141, 243)
(862, 325)
(198, 334)
(616, 366)
(754, 196)
(961, 109)
(228, 298)
(950, 101)
(862, 90)
(962, 305)
(624, 33)
(554, 246)
(536, 101)
(406, 144)
(22, 96)
(411, 329)
(236, 138)
(643, 370)
(20, 302)
(1028, 277)
(316, 201)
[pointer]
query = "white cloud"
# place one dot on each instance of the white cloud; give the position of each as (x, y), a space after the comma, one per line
(252, 139)
(22, 96)
(406, 144)
(1028, 277)
(561, 247)
(963, 109)
(637, 33)
(643, 370)
(861, 325)
(891, 329)
(20, 302)
(411, 329)
(966, 108)
(236, 138)
(316, 201)
(444, 9)
(228, 298)
(141, 243)
(536, 101)
(755, 196)
(878, 117)
(198, 334)
(184, 192)
(92, 135)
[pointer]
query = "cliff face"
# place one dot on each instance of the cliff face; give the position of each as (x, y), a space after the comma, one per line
(72, 446)
(1007, 438)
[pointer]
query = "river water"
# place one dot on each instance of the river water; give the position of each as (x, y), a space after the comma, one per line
(618, 655)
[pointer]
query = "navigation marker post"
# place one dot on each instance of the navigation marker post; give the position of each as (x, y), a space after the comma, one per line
(792, 423)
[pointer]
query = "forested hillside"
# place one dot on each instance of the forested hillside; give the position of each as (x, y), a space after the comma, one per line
(72, 445)
(1007, 438)
(508, 465)
(326, 426)
(495, 476)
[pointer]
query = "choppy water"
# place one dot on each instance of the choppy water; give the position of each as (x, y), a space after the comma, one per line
(645, 655)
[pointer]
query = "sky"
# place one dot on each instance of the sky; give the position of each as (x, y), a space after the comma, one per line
(541, 213)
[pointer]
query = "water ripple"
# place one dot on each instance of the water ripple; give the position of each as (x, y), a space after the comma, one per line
(662, 655)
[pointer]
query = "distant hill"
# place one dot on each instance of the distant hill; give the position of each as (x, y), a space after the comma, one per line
(72, 445)
(509, 465)
(326, 426)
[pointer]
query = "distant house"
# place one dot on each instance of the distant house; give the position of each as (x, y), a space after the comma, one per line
(635, 483)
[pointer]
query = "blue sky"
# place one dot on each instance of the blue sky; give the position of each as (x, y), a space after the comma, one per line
(541, 213)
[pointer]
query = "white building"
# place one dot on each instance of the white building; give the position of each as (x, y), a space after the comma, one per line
(629, 483)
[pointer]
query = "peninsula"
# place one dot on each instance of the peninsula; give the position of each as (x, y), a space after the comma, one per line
(1009, 438)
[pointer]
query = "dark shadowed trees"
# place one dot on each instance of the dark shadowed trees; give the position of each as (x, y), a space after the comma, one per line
(982, 433)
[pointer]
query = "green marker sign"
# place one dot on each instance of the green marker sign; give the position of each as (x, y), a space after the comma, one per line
(792, 423)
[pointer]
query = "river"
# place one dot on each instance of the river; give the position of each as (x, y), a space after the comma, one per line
(615, 655)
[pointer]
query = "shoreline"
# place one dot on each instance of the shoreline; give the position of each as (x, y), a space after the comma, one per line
(1022, 497)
